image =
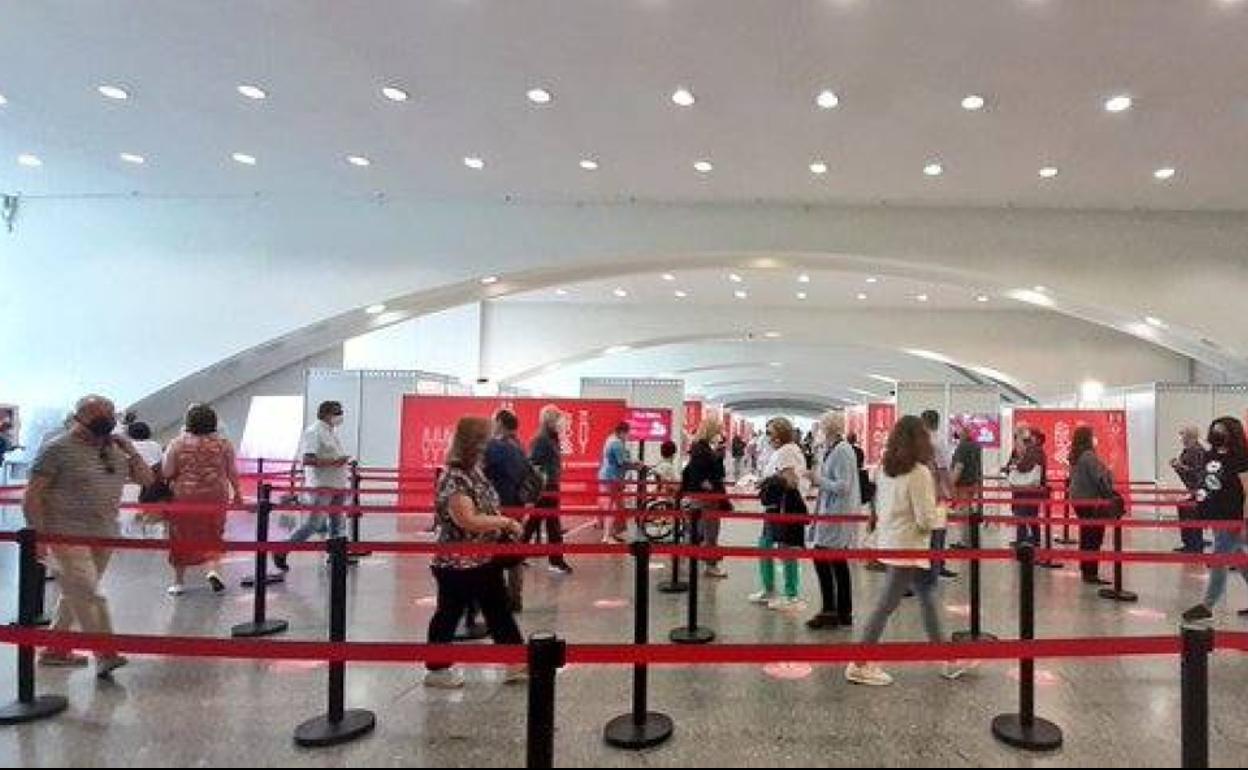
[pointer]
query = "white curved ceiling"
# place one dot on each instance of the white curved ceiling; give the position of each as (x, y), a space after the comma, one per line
(901, 69)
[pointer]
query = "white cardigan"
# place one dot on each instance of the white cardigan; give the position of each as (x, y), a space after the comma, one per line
(906, 514)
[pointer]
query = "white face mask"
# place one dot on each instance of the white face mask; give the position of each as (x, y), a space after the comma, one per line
(335, 420)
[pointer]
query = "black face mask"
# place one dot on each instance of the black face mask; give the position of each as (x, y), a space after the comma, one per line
(1217, 440)
(101, 427)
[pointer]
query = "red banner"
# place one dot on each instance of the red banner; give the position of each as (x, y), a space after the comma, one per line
(693, 417)
(1058, 427)
(880, 419)
(429, 425)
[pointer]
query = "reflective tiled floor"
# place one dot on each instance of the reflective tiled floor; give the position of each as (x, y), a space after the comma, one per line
(168, 712)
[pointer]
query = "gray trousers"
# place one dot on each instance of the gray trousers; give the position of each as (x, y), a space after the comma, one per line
(898, 580)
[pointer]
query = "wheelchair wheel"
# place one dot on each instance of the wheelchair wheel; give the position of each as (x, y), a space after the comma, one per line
(655, 524)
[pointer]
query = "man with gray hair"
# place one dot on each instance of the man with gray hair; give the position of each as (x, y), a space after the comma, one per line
(75, 489)
(1188, 466)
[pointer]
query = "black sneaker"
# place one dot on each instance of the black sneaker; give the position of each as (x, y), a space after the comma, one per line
(1242, 613)
(1198, 614)
(280, 561)
(1096, 580)
(216, 583)
(822, 621)
(948, 573)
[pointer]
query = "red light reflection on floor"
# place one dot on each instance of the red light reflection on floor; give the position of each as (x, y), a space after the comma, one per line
(788, 670)
(962, 610)
(1146, 613)
(1043, 676)
(427, 601)
(610, 604)
(294, 666)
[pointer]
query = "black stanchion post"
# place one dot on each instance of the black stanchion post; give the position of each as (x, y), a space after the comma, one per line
(264, 510)
(337, 725)
(1025, 730)
(355, 505)
(691, 632)
(260, 624)
(1046, 510)
(38, 587)
(674, 585)
(641, 728)
(1118, 593)
(28, 707)
(1194, 697)
(976, 632)
(1065, 539)
(547, 654)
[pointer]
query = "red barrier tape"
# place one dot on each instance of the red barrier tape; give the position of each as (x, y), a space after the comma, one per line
(597, 654)
(1231, 640)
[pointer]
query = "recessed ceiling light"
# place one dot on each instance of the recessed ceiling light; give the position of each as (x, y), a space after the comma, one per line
(669, 277)
(244, 158)
(29, 161)
(734, 278)
(1164, 173)
(873, 279)
(681, 294)
(1048, 172)
(772, 335)
(130, 157)
(3, 101)
(1119, 103)
(933, 169)
(981, 298)
(862, 295)
(589, 164)
(703, 167)
(114, 92)
(252, 92)
(827, 99)
(618, 349)
(683, 97)
(818, 167)
(1154, 322)
(474, 163)
(620, 292)
(921, 297)
(561, 292)
(774, 363)
(740, 294)
(377, 309)
(803, 278)
(489, 280)
(394, 94)
(358, 160)
(973, 102)
(539, 96)
(801, 295)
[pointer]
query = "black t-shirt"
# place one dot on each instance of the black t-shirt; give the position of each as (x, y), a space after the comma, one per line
(970, 455)
(1221, 493)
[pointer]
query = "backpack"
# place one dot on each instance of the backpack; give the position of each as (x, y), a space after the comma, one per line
(532, 484)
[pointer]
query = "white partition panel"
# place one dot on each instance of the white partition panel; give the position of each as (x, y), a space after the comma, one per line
(381, 413)
(976, 399)
(336, 385)
(916, 397)
(1230, 401)
(1177, 407)
(653, 393)
(1140, 403)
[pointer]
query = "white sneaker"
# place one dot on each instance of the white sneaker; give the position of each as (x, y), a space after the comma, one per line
(869, 675)
(715, 571)
(516, 675)
(762, 597)
(444, 679)
(177, 589)
(952, 670)
(785, 604)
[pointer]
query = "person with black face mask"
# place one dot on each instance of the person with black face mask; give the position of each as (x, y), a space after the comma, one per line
(75, 488)
(1221, 497)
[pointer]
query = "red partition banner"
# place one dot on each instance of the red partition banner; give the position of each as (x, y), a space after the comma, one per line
(880, 419)
(693, 417)
(429, 425)
(1058, 426)
(856, 422)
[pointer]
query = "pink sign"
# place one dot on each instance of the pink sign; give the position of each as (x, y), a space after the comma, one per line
(649, 424)
(984, 429)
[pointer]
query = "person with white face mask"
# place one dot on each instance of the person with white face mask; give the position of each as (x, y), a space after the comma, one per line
(325, 471)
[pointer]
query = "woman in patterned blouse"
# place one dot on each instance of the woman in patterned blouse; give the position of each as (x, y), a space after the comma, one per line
(466, 508)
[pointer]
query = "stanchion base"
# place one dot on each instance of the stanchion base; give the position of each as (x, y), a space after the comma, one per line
(624, 733)
(473, 633)
(267, 628)
(695, 635)
(1118, 596)
(1065, 541)
(672, 587)
(319, 731)
(270, 579)
(41, 707)
(1037, 735)
(43, 620)
(967, 636)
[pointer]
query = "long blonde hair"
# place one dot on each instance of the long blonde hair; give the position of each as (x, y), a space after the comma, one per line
(710, 428)
(471, 435)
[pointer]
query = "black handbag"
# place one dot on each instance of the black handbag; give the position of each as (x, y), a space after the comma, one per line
(507, 560)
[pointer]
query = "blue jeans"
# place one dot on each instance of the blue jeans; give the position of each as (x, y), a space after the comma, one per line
(938, 544)
(898, 580)
(316, 521)
(1224, 541)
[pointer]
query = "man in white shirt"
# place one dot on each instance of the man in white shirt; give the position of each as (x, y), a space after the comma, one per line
(940, 472)
(325, 472)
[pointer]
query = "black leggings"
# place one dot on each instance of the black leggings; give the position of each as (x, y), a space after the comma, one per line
(457, 588)
(835, 587)
(554, 528)
(1091, 538)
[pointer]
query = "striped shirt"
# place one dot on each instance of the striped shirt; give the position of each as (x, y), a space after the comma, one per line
(82, 496)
